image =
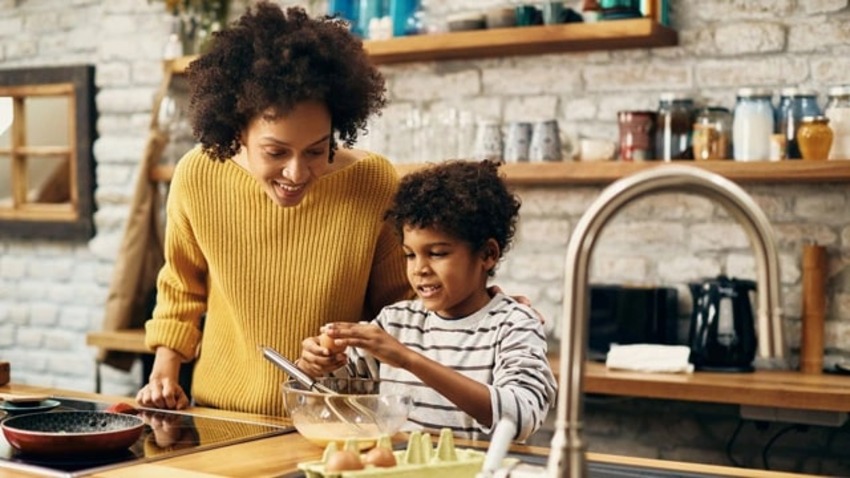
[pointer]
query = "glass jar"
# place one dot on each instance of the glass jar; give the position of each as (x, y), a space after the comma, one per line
(814, 137)
(752, 125)
(712, 134)
(637, 133)
(673, 124)
(838, 111)
(794, 104)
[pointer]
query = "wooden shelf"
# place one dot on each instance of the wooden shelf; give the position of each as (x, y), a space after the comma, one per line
(764, 388)
(533, 40)
(573, 172)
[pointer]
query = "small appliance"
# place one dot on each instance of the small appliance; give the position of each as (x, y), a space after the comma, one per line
(622, 315)
(722, 329)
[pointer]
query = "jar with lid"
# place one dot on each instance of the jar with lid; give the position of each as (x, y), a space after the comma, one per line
(674, 120)
(637, 134)
(838, 111)
(794, 104)
(752, 125)
(712, 133)
(814, 137)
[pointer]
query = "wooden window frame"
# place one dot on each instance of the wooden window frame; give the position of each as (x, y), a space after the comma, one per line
(66, 220)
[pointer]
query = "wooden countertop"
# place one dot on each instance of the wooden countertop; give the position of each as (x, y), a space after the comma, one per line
(767, 388)
(277, 455)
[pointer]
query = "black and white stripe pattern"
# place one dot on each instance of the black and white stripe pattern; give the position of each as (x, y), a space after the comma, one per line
(502, 345)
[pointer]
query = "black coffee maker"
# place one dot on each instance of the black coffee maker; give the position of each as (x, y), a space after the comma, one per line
(722, 329)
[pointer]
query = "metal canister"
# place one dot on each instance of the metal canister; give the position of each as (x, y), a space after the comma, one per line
(712, 133)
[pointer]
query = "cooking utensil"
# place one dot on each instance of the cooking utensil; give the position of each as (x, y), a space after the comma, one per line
(293, 371)
(299, 376)
(77, 432)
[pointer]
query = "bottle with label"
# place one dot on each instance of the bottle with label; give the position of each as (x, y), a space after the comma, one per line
(752, 125)
(794, 104)
(838, 111)
(637, 135)
(673, 125)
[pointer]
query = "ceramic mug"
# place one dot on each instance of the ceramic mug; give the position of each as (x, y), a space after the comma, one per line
(488, 140)
(553, 12)
(545, 142)
(517, 142)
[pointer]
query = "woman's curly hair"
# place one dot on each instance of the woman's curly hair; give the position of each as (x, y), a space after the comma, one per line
(465, 199)
(271, 58)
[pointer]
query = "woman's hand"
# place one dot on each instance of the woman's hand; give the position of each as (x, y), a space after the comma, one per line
(318, 360)
(163, 389)
(372, 339)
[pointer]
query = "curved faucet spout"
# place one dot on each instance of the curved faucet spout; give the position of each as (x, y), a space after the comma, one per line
(567, 458)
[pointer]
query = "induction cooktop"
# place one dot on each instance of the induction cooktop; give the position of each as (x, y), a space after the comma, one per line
(187, 433)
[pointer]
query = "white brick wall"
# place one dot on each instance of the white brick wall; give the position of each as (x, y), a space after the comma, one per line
(51, 294)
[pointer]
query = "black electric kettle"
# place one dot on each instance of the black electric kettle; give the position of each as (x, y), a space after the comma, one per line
(722, 329)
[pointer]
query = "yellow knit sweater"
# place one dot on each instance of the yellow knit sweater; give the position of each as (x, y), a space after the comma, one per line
(268, 275)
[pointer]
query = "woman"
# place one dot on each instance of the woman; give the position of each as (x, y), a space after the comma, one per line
(272, 229)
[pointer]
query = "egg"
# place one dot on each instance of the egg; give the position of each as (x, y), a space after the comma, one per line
(380, 457)
(327, 342)
(344, 460)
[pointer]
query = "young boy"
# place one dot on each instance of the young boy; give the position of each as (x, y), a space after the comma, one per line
(468, 356)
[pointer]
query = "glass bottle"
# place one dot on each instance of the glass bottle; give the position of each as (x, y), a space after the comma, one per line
(752, 125)
(674, 120)
(814, 137)
(838, 111)
(712, 134)
(794, 104)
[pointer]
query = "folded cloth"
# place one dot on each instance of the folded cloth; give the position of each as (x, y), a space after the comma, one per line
(650, 358)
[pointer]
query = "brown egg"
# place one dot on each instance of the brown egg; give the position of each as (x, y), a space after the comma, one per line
(380, 457)
(327, 342)
(344, 460)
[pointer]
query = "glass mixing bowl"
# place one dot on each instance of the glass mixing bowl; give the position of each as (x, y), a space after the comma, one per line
(359, 411)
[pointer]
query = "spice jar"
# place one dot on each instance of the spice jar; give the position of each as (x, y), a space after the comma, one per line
(673, 127)
(814, 137)
(838, 111)
(712, 133)
(794, 104)
(637, 134)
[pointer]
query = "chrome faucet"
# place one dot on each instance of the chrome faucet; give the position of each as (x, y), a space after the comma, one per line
(567, 455)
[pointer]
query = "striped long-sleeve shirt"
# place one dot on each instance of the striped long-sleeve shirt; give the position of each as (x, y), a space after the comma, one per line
(502, 345)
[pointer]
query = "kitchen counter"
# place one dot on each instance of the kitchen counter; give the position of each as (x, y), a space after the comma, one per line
(278, 455)
(765, 388)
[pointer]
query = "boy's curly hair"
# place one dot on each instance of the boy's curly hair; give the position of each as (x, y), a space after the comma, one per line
(465, 199)
(270, 58)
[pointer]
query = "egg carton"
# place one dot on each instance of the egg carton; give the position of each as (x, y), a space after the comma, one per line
(421, 459)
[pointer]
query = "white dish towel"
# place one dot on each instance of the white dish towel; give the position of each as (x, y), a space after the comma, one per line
(650, 358)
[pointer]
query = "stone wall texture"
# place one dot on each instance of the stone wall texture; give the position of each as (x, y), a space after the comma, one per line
(52, 293)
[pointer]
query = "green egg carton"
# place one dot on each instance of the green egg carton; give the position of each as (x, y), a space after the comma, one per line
(419, 460)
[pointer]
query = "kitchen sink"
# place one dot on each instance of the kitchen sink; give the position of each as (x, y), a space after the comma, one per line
(611, 470)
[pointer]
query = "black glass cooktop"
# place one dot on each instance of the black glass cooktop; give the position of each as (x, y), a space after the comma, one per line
(166, 434)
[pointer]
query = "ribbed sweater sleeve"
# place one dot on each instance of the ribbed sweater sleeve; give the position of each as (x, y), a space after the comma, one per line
(268, 275)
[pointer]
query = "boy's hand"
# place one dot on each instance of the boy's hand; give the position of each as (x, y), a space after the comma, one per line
(318, 361)
(372, 339)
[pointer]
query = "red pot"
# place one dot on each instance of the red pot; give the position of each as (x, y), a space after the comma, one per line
(63, 433)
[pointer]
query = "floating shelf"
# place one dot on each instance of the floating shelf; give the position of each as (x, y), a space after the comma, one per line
(572, 172)
(533, 40)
